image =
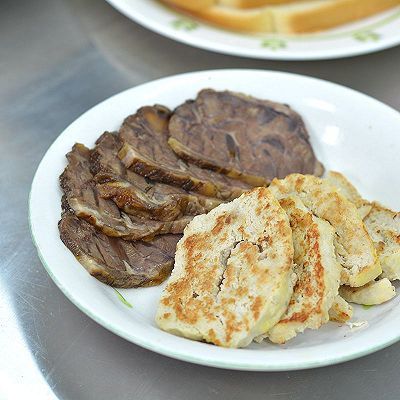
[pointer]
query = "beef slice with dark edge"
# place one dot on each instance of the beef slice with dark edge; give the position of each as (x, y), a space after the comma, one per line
(243, 137)
(146, 151)
(84, 199)
(137, 195)
(118, 262)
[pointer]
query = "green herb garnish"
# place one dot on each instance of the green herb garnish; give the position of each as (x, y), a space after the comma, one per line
(123, 299)
(367, 306)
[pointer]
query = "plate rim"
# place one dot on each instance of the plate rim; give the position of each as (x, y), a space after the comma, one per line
(182, 355)
(204, 44)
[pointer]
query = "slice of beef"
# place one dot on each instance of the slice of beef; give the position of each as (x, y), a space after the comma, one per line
(84, 199)
(146, 152)
(118, 262)
(138, 195)
(243, 137)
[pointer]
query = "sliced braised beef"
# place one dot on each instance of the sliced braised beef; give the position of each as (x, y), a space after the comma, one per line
(84, 199)
(138, 195)
(126, 202)
(146, 152)
(243, 137)
(118, 262)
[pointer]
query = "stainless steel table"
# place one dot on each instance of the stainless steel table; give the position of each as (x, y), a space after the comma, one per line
(57, 59)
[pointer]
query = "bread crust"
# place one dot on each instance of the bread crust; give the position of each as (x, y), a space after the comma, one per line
(255, 3)
(191, 5)
(276, 16)
(249, 20)
(326, 14)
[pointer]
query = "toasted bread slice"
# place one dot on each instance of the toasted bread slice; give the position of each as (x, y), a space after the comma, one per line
(349, 191)
(191, 5)
(254, 3)
(299, 17)
(317, 270)
(341, 311)
(375, 292)
(232, 275)
(202, 4)
(249, 20)
(383, 225)
(314, 16)
(354, 247)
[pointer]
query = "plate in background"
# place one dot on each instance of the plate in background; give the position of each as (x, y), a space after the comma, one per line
(350, 132)
(371, 34)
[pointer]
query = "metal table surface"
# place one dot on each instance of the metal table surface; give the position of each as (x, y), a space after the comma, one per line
(57, 59)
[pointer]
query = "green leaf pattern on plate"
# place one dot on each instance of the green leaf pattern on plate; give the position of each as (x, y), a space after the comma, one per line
(366, 36)
(185, 24)
(274, 43)
(122, 299)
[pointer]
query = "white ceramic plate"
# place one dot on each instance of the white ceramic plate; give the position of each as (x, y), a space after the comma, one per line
(371, 34)
(350, 132)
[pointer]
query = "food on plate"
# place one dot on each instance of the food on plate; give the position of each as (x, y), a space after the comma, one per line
(354, 247)
(382, 224)
(349, 191)
(242, 137)
(133, 186)
(341, 311)
(251, 3)
(317, 271)
(252, 20)
(191, 4)
(118, 262)
(253, 263)
(274, 16)
(84, 199)
(334, 261)
(374, 292)
(146, 151)
(137, 195)
(202, 4)
(232, 278)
